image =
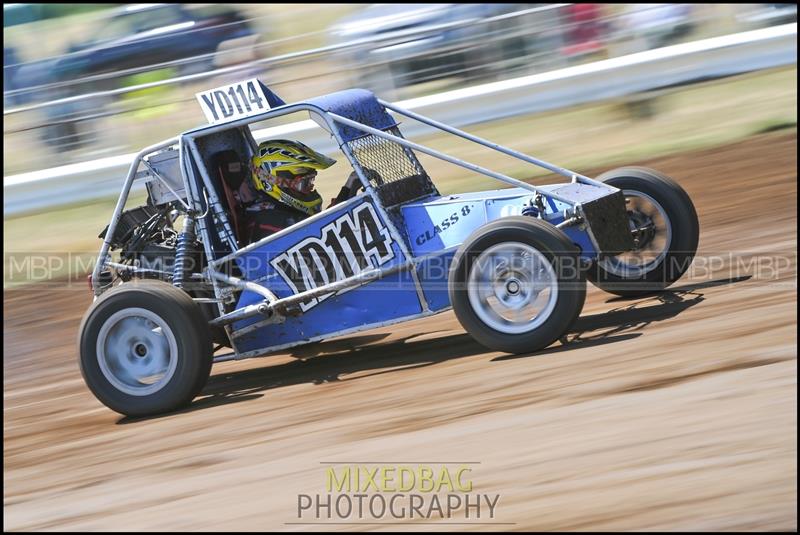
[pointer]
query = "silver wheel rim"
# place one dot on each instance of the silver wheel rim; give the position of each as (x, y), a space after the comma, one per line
(512, 287)
(637, 263)
(137, 351)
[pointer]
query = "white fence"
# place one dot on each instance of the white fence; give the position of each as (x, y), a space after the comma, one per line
(644, 71)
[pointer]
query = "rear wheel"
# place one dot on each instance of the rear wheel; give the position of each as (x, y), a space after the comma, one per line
(665, 229)
(145, 348)
(516, 284)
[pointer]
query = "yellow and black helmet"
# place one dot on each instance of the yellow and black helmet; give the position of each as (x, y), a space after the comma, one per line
(285, 171)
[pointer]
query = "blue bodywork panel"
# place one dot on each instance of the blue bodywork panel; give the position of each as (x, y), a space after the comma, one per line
(353, 237)
(432, 272)
(444, 222)
(273, 99)
(343, 241)
(359, 105)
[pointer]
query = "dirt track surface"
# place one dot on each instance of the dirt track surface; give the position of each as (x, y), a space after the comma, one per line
(677, 411)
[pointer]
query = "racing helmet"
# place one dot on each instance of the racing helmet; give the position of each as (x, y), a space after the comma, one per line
(285, 170)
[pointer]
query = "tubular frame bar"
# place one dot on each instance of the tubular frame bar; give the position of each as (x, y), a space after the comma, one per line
(264, 352)
(280, 111)
(369, 190)
(239, 314)
(216, 206)
(281, 233)
(242, 285)
(500, 148)
(103, 256)
(355, 281)
(360, 279)
(136, 269)
(226, 357)
(190, 181)
(569, 222)
(440, 155)
(163, 181)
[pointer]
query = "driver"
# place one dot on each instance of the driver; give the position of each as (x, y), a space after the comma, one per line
(281, 191)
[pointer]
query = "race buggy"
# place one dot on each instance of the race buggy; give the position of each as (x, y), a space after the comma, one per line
(174, 284)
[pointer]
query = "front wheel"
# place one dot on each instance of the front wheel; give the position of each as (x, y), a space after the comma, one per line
(145, 348)
(666, 232)
(516, 284)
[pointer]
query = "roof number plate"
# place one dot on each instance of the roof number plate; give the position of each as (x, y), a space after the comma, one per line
(234, 101)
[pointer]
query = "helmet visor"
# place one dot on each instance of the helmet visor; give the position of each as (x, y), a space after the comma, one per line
(304, 183)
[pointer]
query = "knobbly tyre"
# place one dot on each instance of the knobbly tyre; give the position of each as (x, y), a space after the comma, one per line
(174, 285)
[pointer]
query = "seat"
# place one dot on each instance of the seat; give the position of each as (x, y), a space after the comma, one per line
(231, 171)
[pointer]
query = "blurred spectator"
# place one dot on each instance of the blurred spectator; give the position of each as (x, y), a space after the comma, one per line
(585, 30)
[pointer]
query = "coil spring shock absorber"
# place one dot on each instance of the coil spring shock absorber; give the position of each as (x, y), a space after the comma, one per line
(535, 208)
(185, 252)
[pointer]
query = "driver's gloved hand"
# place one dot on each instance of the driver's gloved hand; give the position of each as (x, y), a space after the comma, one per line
(348, 190)
(351, 187)
(352, 182)
(344, 194)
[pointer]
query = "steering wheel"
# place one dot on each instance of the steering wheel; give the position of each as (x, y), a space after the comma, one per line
(353, 185)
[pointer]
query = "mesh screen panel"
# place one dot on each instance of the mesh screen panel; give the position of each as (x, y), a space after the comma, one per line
(393, 170)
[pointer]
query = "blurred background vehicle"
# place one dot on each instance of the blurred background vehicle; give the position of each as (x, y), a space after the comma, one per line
(761, 15)
(137, 36)
(136, 44)
(104, 82)
(655, 25)
(418, 43)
